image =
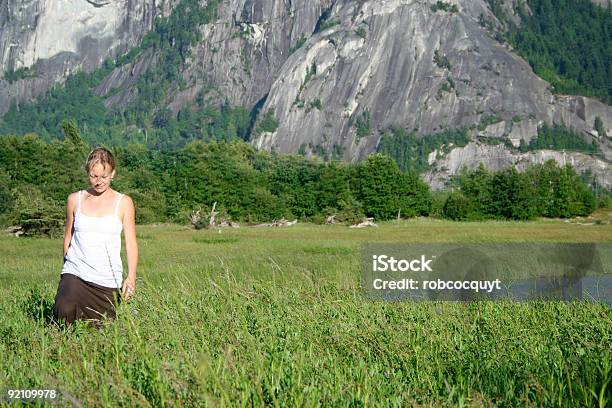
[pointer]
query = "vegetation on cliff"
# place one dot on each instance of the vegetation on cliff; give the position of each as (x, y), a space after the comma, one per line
(566, 42)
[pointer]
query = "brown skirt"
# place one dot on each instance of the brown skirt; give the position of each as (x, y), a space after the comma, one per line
(78, 299)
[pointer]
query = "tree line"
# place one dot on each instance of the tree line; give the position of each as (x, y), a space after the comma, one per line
(37, 176)
(254, 186)
(544, 190)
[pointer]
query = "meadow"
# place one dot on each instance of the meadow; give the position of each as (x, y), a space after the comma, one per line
(275, 317)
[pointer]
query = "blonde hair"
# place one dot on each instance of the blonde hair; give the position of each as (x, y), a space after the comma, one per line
(100, 155)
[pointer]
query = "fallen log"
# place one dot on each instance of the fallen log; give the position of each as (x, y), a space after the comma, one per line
(278, 223)
(16, 230)
(227, 224)
(367, 222)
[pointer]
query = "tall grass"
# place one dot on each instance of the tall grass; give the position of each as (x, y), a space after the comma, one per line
(275, 317)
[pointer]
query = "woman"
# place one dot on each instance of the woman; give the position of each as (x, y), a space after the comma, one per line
(92, 272)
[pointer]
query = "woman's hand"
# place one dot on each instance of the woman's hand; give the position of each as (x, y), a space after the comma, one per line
(129, 287)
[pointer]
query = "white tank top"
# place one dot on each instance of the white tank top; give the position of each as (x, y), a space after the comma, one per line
(94, 254)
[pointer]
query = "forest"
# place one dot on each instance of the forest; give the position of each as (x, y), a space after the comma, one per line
(566, 42)
(253, 186)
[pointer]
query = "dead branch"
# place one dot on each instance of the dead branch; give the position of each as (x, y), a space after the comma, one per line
(330, 220)
(211, 222)
(195, 217)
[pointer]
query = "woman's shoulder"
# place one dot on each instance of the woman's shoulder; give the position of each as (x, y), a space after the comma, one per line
(72, 201)
(123, 196)
(73, 197)
(125, 199)
(125, 207)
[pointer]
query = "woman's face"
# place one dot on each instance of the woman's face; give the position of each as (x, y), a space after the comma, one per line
(100, 177)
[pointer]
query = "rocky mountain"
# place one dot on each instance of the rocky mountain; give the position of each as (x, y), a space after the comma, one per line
(241, 53)
(48, 40)
(332, 75)
(390, 74)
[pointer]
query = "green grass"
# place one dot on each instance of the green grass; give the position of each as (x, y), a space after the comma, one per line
(274, 316)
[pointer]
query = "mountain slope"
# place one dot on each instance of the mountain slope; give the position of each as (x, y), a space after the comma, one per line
(415, 68)
(42, 42)
(318, 77)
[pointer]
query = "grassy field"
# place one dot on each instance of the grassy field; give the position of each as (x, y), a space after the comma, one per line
(262, 316)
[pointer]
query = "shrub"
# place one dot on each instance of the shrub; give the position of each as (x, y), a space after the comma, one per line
(268, 123)
(298, 44)
(351, 212)
(37, 214)
(150, 206)
(444, 6)
(362, 124)
(457, 207)
(441, 60)
(438, 200)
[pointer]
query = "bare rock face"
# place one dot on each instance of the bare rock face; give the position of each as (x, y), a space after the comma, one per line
(242, 55)
(499, 157)
(243, 51)
(57, 37)
(239, 56)
(399, 63)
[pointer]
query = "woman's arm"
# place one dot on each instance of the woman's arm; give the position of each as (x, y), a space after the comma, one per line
(68, 227)
(131, 246)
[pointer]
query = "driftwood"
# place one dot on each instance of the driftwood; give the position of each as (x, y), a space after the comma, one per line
(367, 222)
(227, 223)
(224, 223)
(330, 220)
(278, 223)
(195, 217)
(211, 220)
(16, 230)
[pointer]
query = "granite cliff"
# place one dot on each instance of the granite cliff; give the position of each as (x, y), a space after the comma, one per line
(415, 68)
(47, 40)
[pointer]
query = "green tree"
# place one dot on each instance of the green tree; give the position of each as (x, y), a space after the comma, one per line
(384, 190)
(7, 200)
(71, 133)
(378, 190)
(268, 123)
(477, 185)
(513, 195)
(414, 195)
(566, 43)
(332, 187)
(599, 126)
(412, 152)
(560, 192)
(37, 213)
(457, 207)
